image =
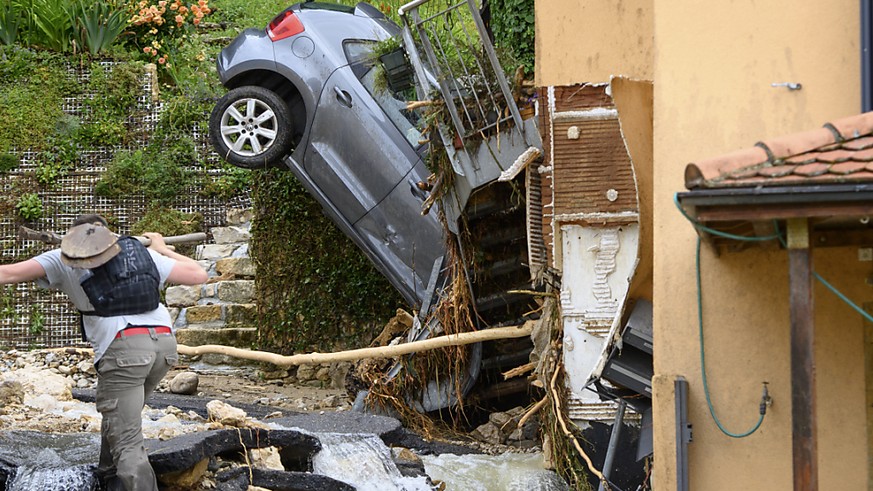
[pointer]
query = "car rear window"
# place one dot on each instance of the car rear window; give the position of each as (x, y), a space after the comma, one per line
(327, 6)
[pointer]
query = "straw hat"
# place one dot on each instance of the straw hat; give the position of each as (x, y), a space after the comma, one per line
(88, 245)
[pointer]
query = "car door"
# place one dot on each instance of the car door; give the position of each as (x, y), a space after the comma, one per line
(356, 155)
(363, 156)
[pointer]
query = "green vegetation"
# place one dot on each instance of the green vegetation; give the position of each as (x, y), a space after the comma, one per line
(29, 207)
(315, 288)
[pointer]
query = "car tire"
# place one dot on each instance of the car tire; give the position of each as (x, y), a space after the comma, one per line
(251, 127)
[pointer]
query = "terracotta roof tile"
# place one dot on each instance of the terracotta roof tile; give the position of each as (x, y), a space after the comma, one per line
(854, 126)
(835, 156)
(847, 168)
(811, 170)
(715, 167)
(786, 146)
(862, 143)
(865, 155)
(782, 170)
(841, 151)
(804, 158)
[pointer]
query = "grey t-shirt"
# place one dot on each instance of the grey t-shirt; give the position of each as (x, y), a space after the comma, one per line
(101, 331)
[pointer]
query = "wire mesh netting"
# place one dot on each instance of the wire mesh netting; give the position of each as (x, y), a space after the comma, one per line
(33, 317)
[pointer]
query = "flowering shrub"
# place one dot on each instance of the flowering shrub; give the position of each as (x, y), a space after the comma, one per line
(161, 26)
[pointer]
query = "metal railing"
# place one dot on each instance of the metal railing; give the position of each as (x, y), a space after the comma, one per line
(487, 132)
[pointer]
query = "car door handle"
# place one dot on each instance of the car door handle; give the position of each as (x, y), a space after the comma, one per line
(417, 191)
(343, 97)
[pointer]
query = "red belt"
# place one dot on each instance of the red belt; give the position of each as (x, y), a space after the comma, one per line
(132, 331)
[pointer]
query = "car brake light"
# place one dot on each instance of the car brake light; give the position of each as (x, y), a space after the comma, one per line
(284, 25)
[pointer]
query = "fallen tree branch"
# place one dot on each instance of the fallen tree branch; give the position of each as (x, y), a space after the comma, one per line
(515, 372)
(535, 409)
(569, 434)
(363, 353)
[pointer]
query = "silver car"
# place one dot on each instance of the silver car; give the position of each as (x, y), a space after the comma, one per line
(304, 94)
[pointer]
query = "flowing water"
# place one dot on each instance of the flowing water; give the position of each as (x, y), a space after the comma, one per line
(506, 472)
(364, 462)
(66, 462)
(50, 461)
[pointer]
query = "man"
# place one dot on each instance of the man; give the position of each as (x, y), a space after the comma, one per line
(134, 345)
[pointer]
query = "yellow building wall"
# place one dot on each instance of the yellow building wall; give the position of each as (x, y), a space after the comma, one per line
(574, 44)
(712, 66)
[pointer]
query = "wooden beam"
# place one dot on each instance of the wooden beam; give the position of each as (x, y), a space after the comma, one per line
(803, 393)
(868, 386)
(775, 212)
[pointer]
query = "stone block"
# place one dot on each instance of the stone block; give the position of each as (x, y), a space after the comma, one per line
(241, 314)
(201, 314)
(237, 291)
(238, 337)
(182, 295)
(230, 235)
(212, 252)
(209, 290)
(174, 314)
(238, 266)
(239, 216)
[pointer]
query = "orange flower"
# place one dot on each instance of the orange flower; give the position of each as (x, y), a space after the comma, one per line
(162, 60)
(196, 21)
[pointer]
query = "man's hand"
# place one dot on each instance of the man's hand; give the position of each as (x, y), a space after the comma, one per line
(186, 271)
(157, 242)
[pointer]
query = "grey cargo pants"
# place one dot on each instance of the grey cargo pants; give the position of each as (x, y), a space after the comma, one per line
(127, 374)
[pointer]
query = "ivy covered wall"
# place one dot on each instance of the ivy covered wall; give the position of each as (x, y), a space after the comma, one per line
(316, 290)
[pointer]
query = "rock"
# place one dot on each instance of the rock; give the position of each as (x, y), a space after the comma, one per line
(305, 373)
(323, 374)
(183, 295)
(225, 413)
(86, 367)
(37, 381)
(185, 451)
(238, 479)
(185, 478)
(11, 392)
(185, 383)
(503, 422)
(408, 462)
(266, 458)
(488, 433)
(274, 374)
(331, 401)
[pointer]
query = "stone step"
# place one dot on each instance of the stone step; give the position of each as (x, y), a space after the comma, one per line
(238, 337)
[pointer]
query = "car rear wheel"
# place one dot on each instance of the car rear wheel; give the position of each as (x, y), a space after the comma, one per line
(251, 127)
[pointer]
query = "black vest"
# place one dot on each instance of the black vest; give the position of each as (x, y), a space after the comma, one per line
(127, 284)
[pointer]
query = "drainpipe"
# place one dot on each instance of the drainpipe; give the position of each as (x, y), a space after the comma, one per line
(866, 53)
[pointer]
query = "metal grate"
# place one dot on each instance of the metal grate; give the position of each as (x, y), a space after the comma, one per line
(31, 317)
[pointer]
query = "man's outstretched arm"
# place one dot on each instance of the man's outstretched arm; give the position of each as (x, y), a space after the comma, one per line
(20, 272)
